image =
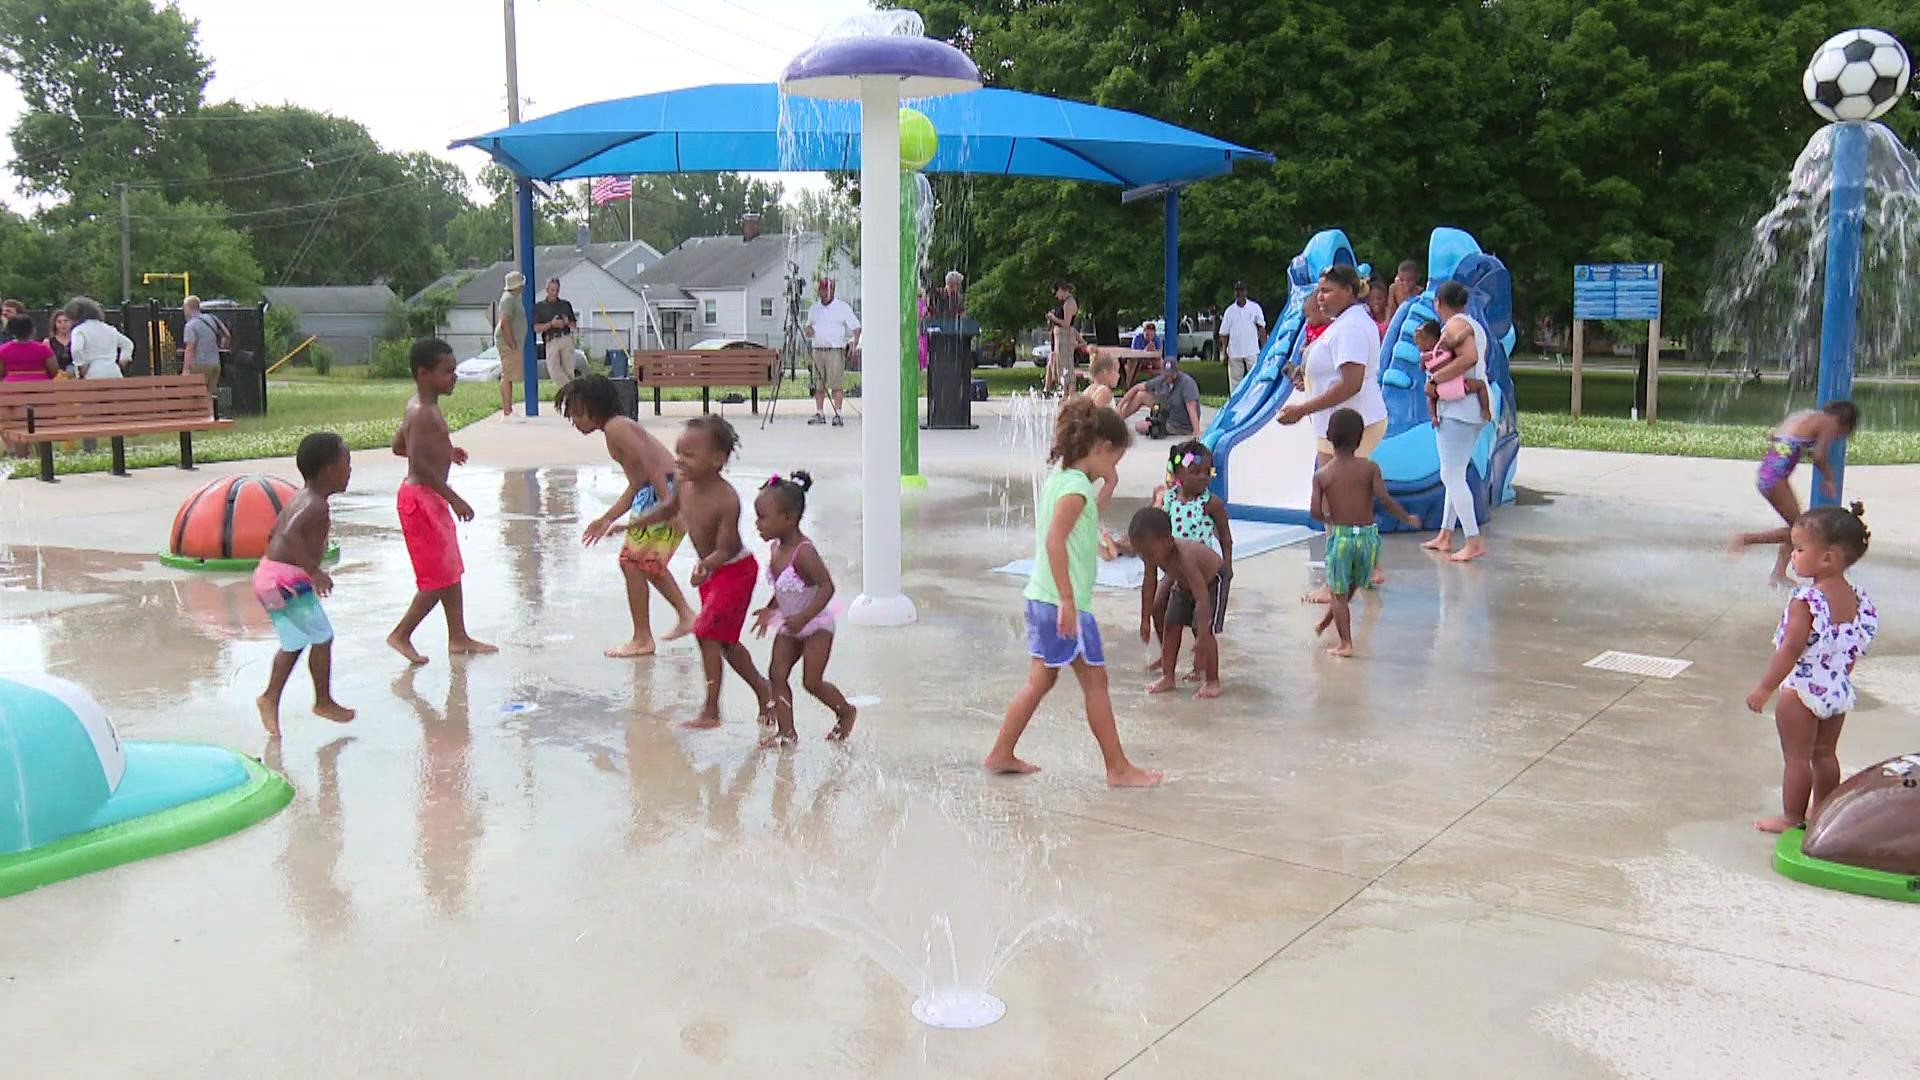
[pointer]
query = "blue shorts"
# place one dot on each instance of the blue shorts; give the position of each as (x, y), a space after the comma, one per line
(1045, 644)
(301, 622)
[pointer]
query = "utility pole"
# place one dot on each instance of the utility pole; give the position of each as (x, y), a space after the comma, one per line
(513, 115)
(126, 248)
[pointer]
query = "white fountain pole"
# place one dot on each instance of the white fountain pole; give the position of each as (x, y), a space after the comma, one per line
(881, 601)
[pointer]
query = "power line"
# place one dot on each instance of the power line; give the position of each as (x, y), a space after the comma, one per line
(248, 214)
(653, 34)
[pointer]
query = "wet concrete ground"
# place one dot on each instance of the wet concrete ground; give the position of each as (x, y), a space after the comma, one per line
(1462, 854)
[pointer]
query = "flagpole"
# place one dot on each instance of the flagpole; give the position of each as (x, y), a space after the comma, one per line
(629, 209)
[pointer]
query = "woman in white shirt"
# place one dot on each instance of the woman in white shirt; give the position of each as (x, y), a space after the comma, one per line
(1460, 421)
(99, 350)
(1341, 367)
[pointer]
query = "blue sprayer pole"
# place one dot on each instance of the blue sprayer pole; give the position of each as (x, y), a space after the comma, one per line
(1845, 213)
(1170, 341)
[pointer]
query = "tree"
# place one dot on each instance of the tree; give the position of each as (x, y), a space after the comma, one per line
(104, 83)
(167, 236)
(671, 208)
(483, 235)
(832, 215)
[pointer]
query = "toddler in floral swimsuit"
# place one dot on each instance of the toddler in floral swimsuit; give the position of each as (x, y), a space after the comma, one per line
(1827, 628)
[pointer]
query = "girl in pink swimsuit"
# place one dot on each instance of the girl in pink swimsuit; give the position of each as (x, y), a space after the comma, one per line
(801, 608)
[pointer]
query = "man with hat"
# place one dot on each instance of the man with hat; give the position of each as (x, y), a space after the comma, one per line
(1242, 331)
(834, 330)
(510, 335)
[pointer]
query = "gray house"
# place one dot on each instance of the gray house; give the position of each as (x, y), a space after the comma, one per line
(735, 286)
(590, 278)
(345, 318)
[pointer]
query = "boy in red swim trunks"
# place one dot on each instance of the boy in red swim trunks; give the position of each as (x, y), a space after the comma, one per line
(708, 506)
(428, 506)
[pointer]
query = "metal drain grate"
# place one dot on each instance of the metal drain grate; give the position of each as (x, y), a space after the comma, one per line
(1626, 663)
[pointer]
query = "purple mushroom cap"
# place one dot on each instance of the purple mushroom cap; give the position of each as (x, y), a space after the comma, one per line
(925, 67)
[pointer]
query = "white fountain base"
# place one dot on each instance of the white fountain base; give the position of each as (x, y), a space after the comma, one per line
(881, 611)
(958, 1010)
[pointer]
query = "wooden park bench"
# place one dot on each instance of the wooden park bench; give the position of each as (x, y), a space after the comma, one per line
(43, 413)
(706, 369)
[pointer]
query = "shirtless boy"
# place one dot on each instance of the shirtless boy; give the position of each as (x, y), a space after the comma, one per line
(706, 504)
(1344, 492)
(1197, 598)
(591, 402)
(290, 581)
(428, 506)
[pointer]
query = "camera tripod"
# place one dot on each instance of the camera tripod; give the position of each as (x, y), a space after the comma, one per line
(789, 362)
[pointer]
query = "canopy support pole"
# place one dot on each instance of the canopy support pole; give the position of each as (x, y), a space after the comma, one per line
(1170, 340)
(881, 601)
(529, 356)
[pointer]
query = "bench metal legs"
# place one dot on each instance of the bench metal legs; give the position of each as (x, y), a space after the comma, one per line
(753, 392)
(186, 450)
(46, 462)
(656, 401)
(119, 456)
(706, 394)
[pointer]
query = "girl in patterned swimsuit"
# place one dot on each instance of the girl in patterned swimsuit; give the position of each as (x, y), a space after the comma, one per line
(802, 593)
(1826, 629)
(1198, 515)
(1804, 434)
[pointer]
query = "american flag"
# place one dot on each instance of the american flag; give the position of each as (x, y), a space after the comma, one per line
(608, 189)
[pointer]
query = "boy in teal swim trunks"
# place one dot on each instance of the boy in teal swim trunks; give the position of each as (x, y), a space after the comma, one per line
(289, 581)
(1344, 492)
(591, 402)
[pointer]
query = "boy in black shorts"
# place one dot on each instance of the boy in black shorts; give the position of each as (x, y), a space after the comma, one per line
(1198, 599)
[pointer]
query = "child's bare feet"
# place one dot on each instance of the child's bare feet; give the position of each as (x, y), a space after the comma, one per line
(1161, 685)
(1321, 595)
(405, 648)
(1208, 692)
(334, 711)
(633, 648)
(845, 727)
(1134, 776)
(1775, 824)
(680, 629)
(706, 721)
(1192, 676)
(777, 737)
(1343, 649)
(1472, 550)
(269, 715)
(1321, 626)
(1379, 576)
(470, 647)
(1154, 664)
(1009, 765)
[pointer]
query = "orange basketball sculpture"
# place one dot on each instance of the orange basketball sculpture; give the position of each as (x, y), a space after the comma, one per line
(225, 525)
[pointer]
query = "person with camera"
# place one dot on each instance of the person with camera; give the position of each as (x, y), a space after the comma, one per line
(1172, 399)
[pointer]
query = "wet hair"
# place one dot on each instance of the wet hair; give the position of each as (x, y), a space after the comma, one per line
(1176, 456)
(593, 396)
(20, 328)
(1844, 528)
(717, 429)
(1346, 277)
(1344, 429)
(317, 451)
(82, 308)
(790, 491)
(1844, 411)
(1408, 267)
(1431, 327)
(1149, 523)
(1453, 294)
(1081, 426)
(426, 353)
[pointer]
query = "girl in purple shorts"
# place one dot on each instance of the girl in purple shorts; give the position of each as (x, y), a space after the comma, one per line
(1805, 434)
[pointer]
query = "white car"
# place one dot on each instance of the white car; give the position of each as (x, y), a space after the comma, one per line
(482, 368)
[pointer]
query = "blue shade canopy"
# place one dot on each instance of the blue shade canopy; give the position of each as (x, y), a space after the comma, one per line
(736, 128)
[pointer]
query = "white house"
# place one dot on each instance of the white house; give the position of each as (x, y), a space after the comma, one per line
(736, 286)
(591, 278)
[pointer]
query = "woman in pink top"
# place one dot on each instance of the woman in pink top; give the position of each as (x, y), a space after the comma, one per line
(24, 359)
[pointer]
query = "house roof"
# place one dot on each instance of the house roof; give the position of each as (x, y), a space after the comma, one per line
(332, 299)
(484, 286)
(716, 263)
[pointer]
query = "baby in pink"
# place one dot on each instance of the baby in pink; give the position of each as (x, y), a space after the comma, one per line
(1433, 358)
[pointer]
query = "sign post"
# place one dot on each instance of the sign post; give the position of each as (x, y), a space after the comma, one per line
(1618, 292)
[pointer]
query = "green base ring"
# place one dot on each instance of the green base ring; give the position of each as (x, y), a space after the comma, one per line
(1791, 862)
(915, 482)
(229, 566)
(181, 827)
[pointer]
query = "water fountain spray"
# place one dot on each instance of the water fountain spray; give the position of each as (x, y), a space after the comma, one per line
(878, 60)
(1855, 77)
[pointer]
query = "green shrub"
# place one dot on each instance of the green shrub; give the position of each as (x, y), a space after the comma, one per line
(319, 358)
(390, 359)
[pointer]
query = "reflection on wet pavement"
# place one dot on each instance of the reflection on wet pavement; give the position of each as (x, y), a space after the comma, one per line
(517, 865)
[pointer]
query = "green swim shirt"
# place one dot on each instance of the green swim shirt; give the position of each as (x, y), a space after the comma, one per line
(1083, 543)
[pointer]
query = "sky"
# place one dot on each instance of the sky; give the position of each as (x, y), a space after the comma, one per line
(421, 73)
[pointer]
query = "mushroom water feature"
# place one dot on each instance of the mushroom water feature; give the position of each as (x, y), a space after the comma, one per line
(879, 61)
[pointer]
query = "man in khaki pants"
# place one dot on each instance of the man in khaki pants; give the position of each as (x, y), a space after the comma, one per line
(553, 320)
(834, 330)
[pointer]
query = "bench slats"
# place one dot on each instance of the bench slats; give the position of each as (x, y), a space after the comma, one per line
(106, 408)
(63, 432)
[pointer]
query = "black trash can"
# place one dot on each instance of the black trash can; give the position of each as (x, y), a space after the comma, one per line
(629, 392)
(950, 373)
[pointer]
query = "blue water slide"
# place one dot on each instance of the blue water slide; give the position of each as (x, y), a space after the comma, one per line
(1259, 397)
(1409, 456)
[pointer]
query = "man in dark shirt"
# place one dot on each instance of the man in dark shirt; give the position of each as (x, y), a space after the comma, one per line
(553, 320)
(1176, 395)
